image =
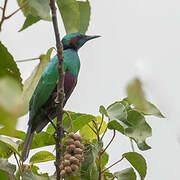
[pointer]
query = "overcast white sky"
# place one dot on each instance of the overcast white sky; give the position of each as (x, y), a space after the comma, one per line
(139, 38)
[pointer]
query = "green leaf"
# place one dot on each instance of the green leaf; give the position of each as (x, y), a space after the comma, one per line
(65, 123)
(42, 156)
(130, 123)
(24, 10)
(10, 103)
(153, 110)
(34, 11)
(15, 133)
(116, 126)
(139, 129)
(104, 160)
(29, 175)
(40, 8)
(103, 110)
(10, 144)
(117, 111)
(89, 168)
(5, 151)
(85, 12)
(81, 121)
(69, 10)
(42, 139)
(3, 175)
(35, 171)
(30, 20)
(31, 83)
(8, 66)
(126, 174)
(108, 176)
(136, 95)
(118, 117)
(88, 133)
(138, 162)
(8, 168)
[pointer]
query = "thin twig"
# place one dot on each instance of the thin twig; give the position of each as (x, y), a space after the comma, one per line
(102, 119)
(112, 165)
(71, 122)
(20, 170)
(100, 168)
(132, 145)
(21, 7)
(3, 13)
(114, 134)
(26, 60)
(92, 129)
(60, 90)
(104, 131)
(1, 8)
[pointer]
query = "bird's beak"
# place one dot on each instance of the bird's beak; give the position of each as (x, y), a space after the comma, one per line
(91, 37)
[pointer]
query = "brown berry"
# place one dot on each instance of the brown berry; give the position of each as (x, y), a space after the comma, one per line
(78, 156)
(74, 160)
(63, 173)
(77, 143)
(67, 162)
(74, 167)
(70, 148)
(67, 156)
(68, 169)
(77, 137)
(69, 141)
(78, 151)
(81, 146)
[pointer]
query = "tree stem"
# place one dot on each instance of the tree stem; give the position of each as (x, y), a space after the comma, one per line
(114, 134)
(3, 13)
(100, 168)
(60, 90)
(132, 145)
(26, 60)
(21, 7)
(112, 165)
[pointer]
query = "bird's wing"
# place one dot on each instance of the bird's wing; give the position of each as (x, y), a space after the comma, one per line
(45, 87)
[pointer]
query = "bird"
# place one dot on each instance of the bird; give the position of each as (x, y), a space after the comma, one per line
(42, 106)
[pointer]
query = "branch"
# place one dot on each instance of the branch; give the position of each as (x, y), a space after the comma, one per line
(105, 130)
(3, 13)
(60, 90)
(25, 60)
(132, 145)
(114, 134)
(69, 117)
(100, 168)
(112, 165)
(20, 170)
(21, 7)
(4, 9)
(101, 122)
(92, 129)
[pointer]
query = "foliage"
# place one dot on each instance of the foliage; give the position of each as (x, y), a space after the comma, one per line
(126, 117)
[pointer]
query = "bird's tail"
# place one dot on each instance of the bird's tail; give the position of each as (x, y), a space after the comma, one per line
(27, 143)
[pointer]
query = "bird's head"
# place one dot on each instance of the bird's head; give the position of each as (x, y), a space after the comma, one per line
(76, 40)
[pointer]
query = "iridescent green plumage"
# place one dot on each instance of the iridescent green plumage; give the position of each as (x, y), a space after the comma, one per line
(42, 106)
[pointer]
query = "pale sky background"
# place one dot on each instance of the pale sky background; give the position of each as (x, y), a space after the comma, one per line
(139, 38)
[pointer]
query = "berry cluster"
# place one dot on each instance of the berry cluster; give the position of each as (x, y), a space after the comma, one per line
(72, 156)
